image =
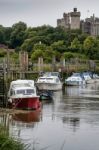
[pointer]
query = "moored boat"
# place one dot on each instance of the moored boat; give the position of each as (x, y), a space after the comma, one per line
(22, 95)
(46, 95)
(75, 79)
(49, 82)
(88, 76)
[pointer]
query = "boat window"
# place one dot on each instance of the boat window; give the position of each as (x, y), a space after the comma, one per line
(20, 91)
(49, 79)
(55, 74)
(76, 74)
(46, 78)
(42, 78)
(21, 85)
(29, 91)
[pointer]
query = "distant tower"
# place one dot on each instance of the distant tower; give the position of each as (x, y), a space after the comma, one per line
(75, 19)
(66, 20)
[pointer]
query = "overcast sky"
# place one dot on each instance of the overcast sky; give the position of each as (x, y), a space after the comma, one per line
(39, 12)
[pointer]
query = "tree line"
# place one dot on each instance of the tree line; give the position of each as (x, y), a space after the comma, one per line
(47, 41)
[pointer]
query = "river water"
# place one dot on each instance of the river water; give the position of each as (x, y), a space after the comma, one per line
(69, 122)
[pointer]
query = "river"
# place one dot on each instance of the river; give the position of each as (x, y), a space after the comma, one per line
(69, 122)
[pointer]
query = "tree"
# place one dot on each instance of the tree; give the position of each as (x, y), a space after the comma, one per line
(68, 55)
(20, 26)
(40, 46)
(7, 34)
(59, 46)
(27, 45)
(48, 54)
(18, 34)
(36, 54)
(38, 51)
(75, 44)
(1, 34)
(89, 46)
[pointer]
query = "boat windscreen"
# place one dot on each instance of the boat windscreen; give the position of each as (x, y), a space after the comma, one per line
(25, 91)
(21, 85)
(20, 91)
(30, 91)
(46, 78)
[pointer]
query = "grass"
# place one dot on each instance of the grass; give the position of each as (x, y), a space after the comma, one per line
(7, 143)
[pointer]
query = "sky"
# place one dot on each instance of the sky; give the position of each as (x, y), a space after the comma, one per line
(43, 12)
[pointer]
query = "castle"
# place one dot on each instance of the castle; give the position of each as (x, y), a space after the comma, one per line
(72, 20)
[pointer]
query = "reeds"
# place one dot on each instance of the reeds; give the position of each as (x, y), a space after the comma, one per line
(7, 143)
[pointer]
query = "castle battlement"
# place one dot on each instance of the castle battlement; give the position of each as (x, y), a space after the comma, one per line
(71, 20)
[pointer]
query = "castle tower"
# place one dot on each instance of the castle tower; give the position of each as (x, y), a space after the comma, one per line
(66, 20)
(75, 19)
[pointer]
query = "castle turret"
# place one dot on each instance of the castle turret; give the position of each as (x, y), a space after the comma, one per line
(75, 19)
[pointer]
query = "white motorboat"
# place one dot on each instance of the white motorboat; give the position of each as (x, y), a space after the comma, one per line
(88, 76)
(22, 95)
(49, 82)
(75, 79)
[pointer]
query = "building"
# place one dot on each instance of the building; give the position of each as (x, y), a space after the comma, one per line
(70, 20)
(90, 26)
(75, 19)
(65, 21)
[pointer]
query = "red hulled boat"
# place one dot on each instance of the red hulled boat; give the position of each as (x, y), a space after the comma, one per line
(22, 95)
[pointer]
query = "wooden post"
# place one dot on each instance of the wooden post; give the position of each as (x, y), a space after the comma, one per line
(53, 63)
(40, 64)
(23, 59)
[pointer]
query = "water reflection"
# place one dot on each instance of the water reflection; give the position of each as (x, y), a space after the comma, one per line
(70, 121)
(27, 117)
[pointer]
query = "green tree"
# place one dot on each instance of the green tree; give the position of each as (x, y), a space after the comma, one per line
(90, 44)
(38, 51)
(36, 54)
(48, 54)
(7, 34)
(2, 34)
(27, 45)
(40, 46)
(75, 45)
(68, 55)
(18, 34)
(59, 46)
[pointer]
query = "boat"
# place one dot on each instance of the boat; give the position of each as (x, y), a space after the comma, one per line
(46, 95)
(22, 95)
(75, 79)
(88, 76)
(96, 77)
(49, 82)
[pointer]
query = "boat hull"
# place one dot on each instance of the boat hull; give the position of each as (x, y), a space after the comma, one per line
(75, 83)
(91, 81)
(49, 86)
(29, 103)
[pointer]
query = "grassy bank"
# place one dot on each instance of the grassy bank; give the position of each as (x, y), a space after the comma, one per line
(7, 143)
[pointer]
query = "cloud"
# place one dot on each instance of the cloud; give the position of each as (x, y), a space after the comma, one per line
(39, 12)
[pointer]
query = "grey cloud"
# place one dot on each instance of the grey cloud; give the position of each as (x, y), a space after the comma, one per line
(38, 12)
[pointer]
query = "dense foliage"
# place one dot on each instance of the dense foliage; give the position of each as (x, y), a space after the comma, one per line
(47, 41)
